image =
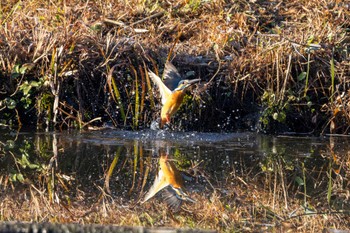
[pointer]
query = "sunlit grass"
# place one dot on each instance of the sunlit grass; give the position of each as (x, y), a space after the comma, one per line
(77, 48)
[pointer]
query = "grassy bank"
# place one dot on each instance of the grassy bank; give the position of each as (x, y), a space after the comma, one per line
(266, 65)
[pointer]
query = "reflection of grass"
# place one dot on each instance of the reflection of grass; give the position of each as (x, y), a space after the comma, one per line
(245, 199)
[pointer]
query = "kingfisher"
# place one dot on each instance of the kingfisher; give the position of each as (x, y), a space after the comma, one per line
(172, 91)
(170, 182)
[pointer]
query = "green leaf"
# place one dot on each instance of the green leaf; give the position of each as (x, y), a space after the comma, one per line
(23, 69)
(33, 166)
(301, 76)
(20, 177)
(310, 39)
(299, 181)
(10, 144)
(13, 177)
(26, 101)
(34, 84)
(16, 68)
(275, 116)
(10, 103)
(26, 89)
(282, 117)
(24, 162)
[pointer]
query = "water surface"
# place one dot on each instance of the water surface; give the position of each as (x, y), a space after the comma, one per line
(123, 164)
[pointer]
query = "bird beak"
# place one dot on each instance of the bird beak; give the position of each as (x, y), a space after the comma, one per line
(190, 200)
(192, 81)
(189, 83)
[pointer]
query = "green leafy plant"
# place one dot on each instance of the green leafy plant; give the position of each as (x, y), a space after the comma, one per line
(274, 110)
(27, 87)
(23, 166)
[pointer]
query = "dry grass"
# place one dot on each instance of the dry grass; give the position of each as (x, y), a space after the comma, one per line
(253, 47)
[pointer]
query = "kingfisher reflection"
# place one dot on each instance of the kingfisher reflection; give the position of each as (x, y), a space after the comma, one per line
(169, 182)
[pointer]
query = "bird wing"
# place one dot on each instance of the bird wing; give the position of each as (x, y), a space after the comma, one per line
(171, 76)
(169, 196)
(159, 184)
(164, 90)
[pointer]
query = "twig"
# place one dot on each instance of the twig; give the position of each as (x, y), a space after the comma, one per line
(173, 46)
(110, 117)
(159, 14)
(217, 71)
(122, 24)
(95, 119)
(111, 21)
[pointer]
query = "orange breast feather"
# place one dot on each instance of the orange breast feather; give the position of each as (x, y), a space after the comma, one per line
(171, 174)
(172, 104)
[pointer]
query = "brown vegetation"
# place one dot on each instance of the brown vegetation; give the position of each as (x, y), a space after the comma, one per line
(281, 64)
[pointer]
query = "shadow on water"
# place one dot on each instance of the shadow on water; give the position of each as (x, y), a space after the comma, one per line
(239, 180)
